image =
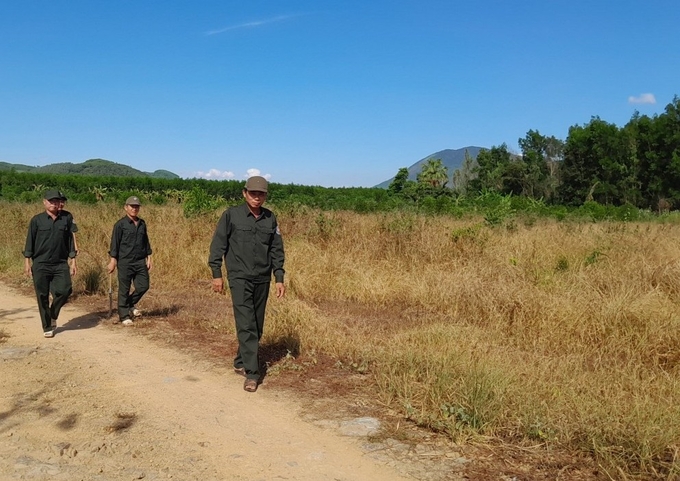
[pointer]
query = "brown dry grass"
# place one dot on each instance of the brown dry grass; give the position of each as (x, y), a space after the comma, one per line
(560, 335)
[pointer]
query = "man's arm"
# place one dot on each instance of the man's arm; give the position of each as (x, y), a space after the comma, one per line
(149, 251)
(29, 247)
(73, 243)
(277, 255)
(114, 249)
(218, 249)
(73, 252)
(147, 241)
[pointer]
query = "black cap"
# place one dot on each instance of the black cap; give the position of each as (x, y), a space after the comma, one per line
(133, 200)
(54, 194)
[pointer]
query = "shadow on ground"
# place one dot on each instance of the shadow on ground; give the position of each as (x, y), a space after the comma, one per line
(87, 321)
(272, 352)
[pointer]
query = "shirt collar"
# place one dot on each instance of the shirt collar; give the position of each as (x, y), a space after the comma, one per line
(249, 213)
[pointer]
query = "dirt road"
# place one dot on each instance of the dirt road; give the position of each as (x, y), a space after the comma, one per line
(99, 403)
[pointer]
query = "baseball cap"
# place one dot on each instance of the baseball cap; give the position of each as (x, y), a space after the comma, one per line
(257, 183)
(54, 194)
(132, 200)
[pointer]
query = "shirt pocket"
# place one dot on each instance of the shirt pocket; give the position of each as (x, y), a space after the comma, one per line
(58, 228)
(243, 234)
(128, 238)
(265, 235)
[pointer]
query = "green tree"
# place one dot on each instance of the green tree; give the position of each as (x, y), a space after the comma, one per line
(540, 156)
(490, 169)
(657, 153)
(463, 176)
(599, 164)
(554, 155)
(99, 191)
(399, 182)
(434, 173)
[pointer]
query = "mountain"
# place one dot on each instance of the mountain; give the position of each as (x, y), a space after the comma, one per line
(16, 167)
(89, 167)
(451, 159)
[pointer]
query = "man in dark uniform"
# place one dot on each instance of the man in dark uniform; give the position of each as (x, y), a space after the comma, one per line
(50, 245)
(247, 237)
(131, 253)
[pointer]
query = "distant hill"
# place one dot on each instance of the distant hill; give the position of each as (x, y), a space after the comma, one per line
(17, 167)
(451, 159)
(89, 167)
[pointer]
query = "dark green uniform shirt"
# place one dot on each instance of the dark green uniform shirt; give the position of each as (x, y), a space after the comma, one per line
(51, 241)
(251, 247)
(129, 242)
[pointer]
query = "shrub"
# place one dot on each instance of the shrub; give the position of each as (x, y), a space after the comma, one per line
(199, 202)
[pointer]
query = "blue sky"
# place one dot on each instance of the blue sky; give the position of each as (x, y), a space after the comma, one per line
(332, 93)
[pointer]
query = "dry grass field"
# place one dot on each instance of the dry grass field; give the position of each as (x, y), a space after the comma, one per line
(562, 335)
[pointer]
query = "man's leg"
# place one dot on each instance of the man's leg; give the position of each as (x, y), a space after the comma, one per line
(61, 288)
(260, 296)
(141, 282)
(124, 281)
(41, 282)
(246, 326)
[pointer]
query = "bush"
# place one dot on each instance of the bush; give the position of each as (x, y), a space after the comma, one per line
(626, 213)
(498, 214)
(199, 202)
(594, 210)
(158, 199)
(30, 196)
(86, 198)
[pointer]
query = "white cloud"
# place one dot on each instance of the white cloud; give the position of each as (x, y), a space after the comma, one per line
(642, 99)
(253, 171)
(256, 23)
(215, 174)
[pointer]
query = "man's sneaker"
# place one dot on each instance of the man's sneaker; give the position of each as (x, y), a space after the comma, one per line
(48, 333)
(136, 312)
(127, 322)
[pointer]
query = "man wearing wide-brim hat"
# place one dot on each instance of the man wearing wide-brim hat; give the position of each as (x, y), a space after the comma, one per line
(131, 253)
(50, 248)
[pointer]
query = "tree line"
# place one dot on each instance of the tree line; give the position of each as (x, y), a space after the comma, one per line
(637, 164)
(601, 170)
(30, 186)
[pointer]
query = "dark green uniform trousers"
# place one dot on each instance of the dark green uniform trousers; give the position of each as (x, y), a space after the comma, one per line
(55, 279)
(249, 300)
(131, 273)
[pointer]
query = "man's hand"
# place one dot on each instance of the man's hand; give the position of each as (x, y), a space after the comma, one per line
(74, 267)
(218, 284)
(149, 264)
(112, 266)
(27, 267)
(280, 290)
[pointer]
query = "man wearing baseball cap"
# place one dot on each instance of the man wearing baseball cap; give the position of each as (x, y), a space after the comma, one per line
(50, 257)
(247, 237)
(131, 253)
